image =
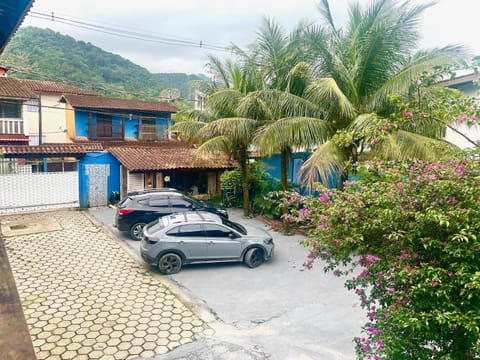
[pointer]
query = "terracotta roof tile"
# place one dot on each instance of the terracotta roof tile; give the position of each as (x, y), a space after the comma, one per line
(49, 149)
(175, 155)
(54, 87)
(13, 88)
(10, 137)
(101, 102)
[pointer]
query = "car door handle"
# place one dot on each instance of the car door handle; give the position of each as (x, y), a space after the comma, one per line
(181, 242)
(210, 242)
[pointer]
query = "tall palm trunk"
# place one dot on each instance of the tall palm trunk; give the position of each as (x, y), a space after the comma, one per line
(245, 181)
(284, 166)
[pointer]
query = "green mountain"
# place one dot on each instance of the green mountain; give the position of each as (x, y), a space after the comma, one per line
(33, 53)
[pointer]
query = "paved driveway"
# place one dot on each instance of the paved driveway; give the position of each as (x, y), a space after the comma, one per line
(84, 297)
(276, 311)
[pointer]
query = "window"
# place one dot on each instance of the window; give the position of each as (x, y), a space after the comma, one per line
(32, 105)
(191, 230)
(104, 126)
(10, 109)
(180, 203)
(11, 121)
(159, 201)
(217, 231)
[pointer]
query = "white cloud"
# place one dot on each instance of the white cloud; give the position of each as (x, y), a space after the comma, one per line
(224, 22)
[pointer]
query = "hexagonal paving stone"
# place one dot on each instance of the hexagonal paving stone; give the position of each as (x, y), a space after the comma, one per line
(89, 309)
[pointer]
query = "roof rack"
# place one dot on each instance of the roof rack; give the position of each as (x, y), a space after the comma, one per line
(147, 191)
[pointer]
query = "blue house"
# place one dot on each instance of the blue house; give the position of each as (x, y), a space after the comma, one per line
(138, 151)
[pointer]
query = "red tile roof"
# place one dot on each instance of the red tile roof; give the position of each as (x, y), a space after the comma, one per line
(166, 155)
(101, 102)
(16, 138)
(54, 87)
(13, 89)
(49, 149)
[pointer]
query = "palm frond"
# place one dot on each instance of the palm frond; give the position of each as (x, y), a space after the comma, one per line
(326, 163)
(216, 67)
(298, 78)
(291, 132)
(224, 102)
(188, 130)
(238, 130)
(215, 145)
(403, 145)
(326, 92)
(189, 115)
(324, 8)
(420, 63)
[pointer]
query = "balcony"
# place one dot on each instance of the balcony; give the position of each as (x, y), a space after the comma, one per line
(11, 126)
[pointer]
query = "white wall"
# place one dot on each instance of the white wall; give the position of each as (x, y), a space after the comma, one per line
(28, 192)
(53, 120)
(472, 133)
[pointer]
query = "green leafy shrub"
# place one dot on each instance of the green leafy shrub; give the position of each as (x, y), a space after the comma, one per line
(261, 182)
(410, 235)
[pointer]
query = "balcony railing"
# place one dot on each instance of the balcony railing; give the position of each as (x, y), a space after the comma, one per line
(152, 132)
(11, 126)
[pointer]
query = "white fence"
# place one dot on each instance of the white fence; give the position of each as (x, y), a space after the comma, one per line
(29, 192)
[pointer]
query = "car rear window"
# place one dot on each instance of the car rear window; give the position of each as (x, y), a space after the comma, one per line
(156, 225)
(124, 202)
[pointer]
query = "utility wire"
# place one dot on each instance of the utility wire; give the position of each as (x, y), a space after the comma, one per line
(125, 33)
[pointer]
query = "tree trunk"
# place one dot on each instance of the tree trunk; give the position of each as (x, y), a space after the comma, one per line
(284, 167)
(245, 181)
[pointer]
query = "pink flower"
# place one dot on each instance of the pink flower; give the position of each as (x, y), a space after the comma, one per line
(452, 200)
(323, 198)
(434, 283)
(407, 113)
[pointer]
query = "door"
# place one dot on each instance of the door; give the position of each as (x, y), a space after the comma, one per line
(97, 184)
(191, 240)
(222, 242)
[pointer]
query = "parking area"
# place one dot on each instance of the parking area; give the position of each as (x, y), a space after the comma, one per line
(84, 297)
(279, 310)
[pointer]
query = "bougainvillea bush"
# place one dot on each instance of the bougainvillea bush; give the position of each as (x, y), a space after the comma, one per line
(408, 239)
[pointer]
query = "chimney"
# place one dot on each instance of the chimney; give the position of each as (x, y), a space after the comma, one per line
(3, 71)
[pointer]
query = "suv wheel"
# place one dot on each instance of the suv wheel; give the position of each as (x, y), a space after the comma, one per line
(136, 231)
(254, 257)
(170, 263)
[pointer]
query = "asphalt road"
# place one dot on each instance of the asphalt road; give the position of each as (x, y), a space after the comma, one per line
(279, 310)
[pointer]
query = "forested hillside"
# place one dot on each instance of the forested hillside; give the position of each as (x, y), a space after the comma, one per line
(33, 52)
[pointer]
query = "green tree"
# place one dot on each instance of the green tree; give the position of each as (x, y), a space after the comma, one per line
(222, 127)
(409, 233)
(358, 67)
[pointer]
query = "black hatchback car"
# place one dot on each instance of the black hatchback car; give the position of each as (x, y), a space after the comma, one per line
(139, 208)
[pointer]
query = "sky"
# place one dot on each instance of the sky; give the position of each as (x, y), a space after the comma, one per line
(220, 23)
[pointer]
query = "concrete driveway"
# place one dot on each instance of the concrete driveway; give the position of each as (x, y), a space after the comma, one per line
(277, 311)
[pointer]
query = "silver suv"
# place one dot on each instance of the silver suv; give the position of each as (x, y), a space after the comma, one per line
(198, 237)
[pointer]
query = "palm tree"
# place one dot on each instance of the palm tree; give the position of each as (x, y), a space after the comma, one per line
(289, 120)
(357, 68)
(222, 127)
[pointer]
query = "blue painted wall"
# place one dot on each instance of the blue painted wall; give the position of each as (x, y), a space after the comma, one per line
(98, 158)
(131, 122)
(273, 167)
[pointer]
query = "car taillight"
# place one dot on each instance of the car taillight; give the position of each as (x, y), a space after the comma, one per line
(125, 211)
(149, 240)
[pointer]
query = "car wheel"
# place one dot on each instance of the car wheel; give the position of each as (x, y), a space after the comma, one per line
(254, 257)
(136, 231)
(170, 263)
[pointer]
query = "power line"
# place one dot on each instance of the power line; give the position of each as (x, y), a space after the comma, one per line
(116, 31)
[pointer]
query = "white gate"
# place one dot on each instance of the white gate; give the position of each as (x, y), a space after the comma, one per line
(38, 191)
